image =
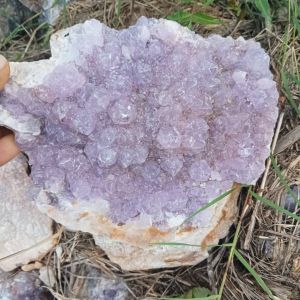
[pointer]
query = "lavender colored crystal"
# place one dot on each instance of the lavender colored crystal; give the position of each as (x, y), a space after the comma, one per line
(98, 286)
(154, 119)
(22, 286)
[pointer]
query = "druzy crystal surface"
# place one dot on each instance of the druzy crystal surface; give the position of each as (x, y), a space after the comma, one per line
(154, 119)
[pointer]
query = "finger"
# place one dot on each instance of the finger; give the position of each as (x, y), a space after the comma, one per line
(4, 131)
(4, 71)
(8, 149)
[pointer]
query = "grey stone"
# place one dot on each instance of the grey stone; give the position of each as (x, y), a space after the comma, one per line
(25, 232)
(22, 286)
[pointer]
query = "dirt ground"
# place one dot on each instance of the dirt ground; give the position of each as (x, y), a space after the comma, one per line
(267, 237)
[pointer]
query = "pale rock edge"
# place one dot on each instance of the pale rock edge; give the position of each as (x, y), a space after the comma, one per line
(26, 233)
(132, 246)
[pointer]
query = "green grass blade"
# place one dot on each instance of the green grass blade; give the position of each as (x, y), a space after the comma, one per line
(208, 2)
(256, 276)
(18, 30)
(189, 245)
(204, 19)
(275, 206)
(197, 293)
(185, 18)
(287, 89)
(175, 244)
(187, 2)
(283, 180)
(201, 292)
(209, 204)
(118, 8)
(212, 297)
(296, 80)
(222, 245)
(296, 25)
(263, 7)
(181, 17)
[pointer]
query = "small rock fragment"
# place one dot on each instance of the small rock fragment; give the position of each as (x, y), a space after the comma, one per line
(32, 266)
(97, 286)
(25, 232)
(50, 10)
(22, 286)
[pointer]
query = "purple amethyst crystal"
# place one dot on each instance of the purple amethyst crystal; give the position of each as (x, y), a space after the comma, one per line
(154, 119)
(22, 286)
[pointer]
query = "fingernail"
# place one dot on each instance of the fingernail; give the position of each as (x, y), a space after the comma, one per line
(4, 71)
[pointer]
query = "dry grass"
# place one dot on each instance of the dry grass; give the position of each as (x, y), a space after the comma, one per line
(274, 244)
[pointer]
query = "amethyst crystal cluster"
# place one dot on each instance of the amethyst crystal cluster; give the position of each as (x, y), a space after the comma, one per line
(154, 119)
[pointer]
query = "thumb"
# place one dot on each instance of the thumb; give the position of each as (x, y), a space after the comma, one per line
(4, 71)
(8, 149)
(8, 146)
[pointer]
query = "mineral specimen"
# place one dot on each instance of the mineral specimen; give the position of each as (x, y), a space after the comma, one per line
(22, 286)
(92, 284)
(140, 127)
(100, 287)
(25, 233)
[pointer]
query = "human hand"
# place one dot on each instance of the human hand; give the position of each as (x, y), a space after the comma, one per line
(8, 147)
